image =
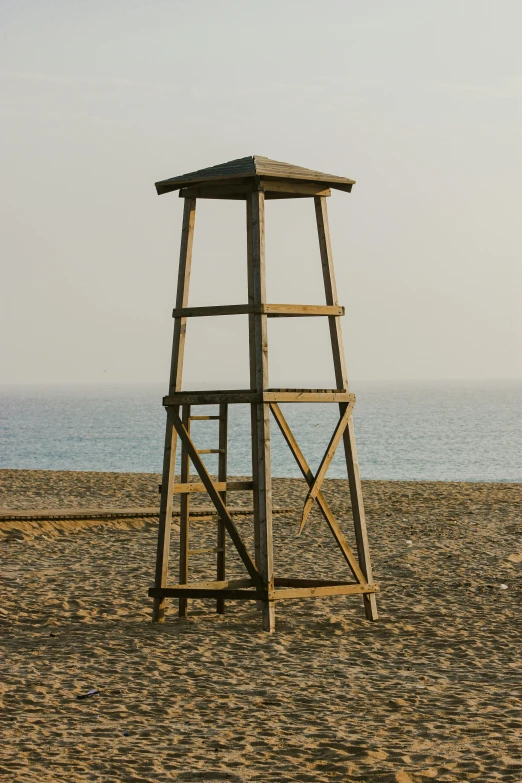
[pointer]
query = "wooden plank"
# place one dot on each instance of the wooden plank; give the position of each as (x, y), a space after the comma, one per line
(317, 592)
(209, 451)
(176, 368)
(232, 190)
(215, 497)
(129, 513)
(261, 412)
(238, 396)
(238, 486)
(341, 379)
(299, 311)
(204, 418)
(238, 594)
(222, 478)
(184, 517)
(231, 397)
(321, 500)
(211, 310)
(287, 187)
(253, 377)
(307, 396)
(76, 513)
(272, 310)
(325, 464)
(219, 584)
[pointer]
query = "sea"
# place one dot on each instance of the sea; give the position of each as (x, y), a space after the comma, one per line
(414, 431)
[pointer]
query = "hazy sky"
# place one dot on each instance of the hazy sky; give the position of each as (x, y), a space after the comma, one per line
(418, 101)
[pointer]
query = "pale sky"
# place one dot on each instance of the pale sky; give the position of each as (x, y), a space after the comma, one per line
(418, 101)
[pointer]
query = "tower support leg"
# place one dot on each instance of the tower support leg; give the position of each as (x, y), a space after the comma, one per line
(184, 513)
(176, 368)
(341, 379)
(260, 412)
(222, 476)
(165, 520)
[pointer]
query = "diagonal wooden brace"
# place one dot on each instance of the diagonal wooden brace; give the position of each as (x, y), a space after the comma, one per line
(321, 500)
(216, 499)
(325, 464)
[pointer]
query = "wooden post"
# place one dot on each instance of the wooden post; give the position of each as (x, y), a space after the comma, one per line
(184, 511)
(222, 476)
(253, 381)
(176, 368)
(260, 412)
(341, 379)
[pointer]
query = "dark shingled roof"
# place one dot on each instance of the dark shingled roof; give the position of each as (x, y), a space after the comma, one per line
(253, 166)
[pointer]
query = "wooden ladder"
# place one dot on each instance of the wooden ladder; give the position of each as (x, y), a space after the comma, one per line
(220, 548)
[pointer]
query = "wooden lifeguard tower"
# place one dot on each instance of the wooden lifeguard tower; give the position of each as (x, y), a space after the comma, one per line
(253, 180)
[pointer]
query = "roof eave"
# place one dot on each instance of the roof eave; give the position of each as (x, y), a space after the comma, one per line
(171, 185)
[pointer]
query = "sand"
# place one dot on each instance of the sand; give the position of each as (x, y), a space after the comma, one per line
(430, 691)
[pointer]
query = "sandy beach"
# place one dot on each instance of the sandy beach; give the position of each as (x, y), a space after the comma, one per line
(430, 691)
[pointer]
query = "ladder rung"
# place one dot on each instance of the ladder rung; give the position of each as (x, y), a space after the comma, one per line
(203, 551)
(211, 451)
(204, 418)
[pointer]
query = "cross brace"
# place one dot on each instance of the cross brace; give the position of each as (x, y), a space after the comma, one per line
(320, 498)
(325, 464)
(295, 588)
(215, 497)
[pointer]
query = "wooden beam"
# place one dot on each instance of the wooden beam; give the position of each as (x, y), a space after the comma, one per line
(325, 464)
(231, 190)
(238, 594)
(291, 187)
(316, 592)
(282, 188)
(271, 310)
(321, 500)
(238, 396)
(184, 517)
(299, 311)
(253, 376)
(215, 497)
(176, 367)
(341, 379)
(222, 478)
(285, 581)
(200, 312)
(304, 395)
(260, 415)
(232, 397)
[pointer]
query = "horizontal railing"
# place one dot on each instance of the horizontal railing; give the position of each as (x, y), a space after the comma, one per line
(270, 310)
(235, 396)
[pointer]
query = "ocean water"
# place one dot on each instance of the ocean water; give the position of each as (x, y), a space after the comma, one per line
(446, 431)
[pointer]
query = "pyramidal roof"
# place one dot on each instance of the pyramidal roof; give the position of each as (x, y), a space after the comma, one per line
(253, 166)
